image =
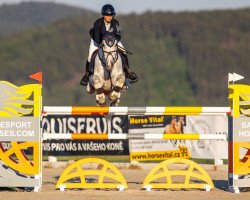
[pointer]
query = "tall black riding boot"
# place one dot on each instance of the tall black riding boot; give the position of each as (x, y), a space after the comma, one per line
(85, 79)
(131, 76)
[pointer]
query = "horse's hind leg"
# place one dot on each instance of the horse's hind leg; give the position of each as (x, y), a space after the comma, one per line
(100, 96)
(118, 82)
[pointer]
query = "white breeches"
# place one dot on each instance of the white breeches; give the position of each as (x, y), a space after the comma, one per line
(93, 46)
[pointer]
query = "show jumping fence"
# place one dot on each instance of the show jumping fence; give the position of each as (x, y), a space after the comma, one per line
(30, 170)
(20, 117)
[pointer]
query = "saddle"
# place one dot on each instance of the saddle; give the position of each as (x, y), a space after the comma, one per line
(92, 63)
(97, 52)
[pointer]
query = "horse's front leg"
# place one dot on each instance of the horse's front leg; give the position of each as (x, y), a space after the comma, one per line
(98, 85)
(118, 82)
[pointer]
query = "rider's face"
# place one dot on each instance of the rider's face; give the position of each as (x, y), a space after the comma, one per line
(108, 18)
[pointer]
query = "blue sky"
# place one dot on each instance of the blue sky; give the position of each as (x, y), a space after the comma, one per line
(128, 6)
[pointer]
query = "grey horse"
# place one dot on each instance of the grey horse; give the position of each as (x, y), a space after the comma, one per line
(108, 78)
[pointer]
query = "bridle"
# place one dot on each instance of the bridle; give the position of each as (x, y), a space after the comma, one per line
(108, 53)
(115, 58)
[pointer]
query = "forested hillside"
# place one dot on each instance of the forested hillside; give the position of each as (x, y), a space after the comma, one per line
(180, 58)
(14, 18)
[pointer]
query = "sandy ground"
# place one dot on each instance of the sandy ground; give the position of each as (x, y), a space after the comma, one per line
(134, 178)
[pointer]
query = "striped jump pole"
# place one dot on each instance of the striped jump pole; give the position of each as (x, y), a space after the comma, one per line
(120, 136)
(95, 110)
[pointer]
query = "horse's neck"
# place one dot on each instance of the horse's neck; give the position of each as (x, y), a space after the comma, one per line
(117, 67)
(180, 122)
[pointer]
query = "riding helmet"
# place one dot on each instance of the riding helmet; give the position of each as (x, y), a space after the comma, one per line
(108, 10)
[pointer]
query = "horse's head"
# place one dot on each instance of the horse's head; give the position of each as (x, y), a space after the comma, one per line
(109, 47)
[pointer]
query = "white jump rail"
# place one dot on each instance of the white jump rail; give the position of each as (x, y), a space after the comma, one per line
(94, 110)
(146, 136)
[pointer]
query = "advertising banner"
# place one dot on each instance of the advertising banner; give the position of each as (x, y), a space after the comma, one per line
(20, 129)
(162, 149)
(157, 149)
(241, 129)
(210, 149)
(85, 124)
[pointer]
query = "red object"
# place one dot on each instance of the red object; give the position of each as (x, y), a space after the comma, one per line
(246, 157)
(38, 76)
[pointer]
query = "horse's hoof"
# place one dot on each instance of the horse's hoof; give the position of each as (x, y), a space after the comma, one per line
(102, 101)
(101, 104)
(113, 96)
(115, 103)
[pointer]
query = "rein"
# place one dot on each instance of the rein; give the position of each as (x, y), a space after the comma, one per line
(104, 59)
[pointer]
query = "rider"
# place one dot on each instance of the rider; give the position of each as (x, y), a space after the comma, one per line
(105, 24)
